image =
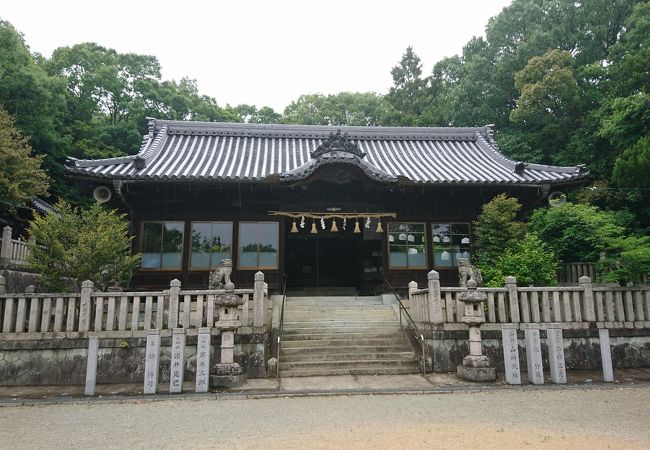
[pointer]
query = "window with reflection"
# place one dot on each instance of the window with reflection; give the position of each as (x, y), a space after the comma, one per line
(451, 242)
(406, 245)
(258, 245)
(162, 245)
(211, 243)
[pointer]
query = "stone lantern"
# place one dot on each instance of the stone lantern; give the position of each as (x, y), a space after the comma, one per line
(227, 373)
(476, 366)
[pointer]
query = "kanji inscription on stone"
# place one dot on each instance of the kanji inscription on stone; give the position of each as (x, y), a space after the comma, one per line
(511, 354)
(556, 362)
(177, 366)
(534, 354)
(203, 360)
(151, 362)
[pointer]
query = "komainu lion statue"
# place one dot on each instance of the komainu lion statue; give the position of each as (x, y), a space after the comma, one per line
(466, 271)
(221, 273)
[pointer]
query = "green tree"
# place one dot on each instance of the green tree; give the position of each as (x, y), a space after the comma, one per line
(36, 101)
(578, 233)
(632, 168)
(547, 104)
(496, 228)
(344, 108)
(81, 244)
(21, 175)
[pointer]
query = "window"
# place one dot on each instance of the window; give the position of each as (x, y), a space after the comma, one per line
(162, 245)
(406, 246)
(258, 245)
(450, 242)
(211, 242)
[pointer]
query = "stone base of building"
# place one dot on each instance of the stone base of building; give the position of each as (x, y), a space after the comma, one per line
(227, 375)
(477, 368)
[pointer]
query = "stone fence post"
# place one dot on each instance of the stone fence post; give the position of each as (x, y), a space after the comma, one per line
(5, 250)
(588, 307)
(435, 300)
(3, 285)
(414, 307)
(85, 306)
(511, 285)
(258, 300)
(174, 294)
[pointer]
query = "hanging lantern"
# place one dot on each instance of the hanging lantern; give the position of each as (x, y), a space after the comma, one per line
(446, 240)
(334, 228)
(444, 256)
(379, 227)
(313, 228)
(464, 240)
(436, 238)
(294, 227)
(357, 230)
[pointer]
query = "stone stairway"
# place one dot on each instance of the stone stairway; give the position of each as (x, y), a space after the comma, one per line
(342, 336)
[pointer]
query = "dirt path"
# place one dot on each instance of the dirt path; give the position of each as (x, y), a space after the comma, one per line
(568, 418)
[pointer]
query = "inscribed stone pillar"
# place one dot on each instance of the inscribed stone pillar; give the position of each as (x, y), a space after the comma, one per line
(555, 343)
(151, 362)
(606, 355)
(511, 353)
(203, 360)
(533, 354)
(91, 365)
(177, 365)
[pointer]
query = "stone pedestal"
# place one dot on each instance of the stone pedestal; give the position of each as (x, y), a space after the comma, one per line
(227, 373)
(476, 366)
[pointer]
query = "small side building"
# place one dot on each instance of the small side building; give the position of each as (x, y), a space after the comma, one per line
(328, 206)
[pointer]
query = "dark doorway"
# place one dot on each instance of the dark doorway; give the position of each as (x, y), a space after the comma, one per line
(329, 260)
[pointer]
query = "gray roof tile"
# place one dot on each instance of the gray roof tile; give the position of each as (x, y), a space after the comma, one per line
(209, 151)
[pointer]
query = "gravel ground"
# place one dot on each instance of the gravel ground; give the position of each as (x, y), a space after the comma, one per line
(614, 417)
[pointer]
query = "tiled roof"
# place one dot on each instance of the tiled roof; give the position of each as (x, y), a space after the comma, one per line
(210, 151)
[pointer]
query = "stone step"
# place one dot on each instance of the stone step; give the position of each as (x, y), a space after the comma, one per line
(355, 356)
(338, 323)
(333, 341)
(341, 332)
(359, 370)
(348, 364)
(340, 349)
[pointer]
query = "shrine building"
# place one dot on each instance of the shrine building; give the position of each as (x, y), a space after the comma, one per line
(329, 206)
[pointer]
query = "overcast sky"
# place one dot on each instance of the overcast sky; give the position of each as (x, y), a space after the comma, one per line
(262, 52)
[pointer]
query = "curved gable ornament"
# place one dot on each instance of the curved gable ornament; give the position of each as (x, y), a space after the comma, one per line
(337, 143)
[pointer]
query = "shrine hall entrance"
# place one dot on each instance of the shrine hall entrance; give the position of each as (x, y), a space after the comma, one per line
(333, 260)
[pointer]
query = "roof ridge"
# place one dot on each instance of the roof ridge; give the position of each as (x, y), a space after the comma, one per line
(315, 131)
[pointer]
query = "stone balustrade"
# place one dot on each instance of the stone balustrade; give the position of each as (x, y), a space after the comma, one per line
(12, 251)
(122, 314)
(580, 306)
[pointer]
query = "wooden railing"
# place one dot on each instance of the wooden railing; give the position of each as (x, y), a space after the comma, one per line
(123, 312)
(13, 251)
(571, 272)
(573, 306)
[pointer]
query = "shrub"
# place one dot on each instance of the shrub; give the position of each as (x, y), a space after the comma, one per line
(81, 244)
(630, 257)
(527, 260)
